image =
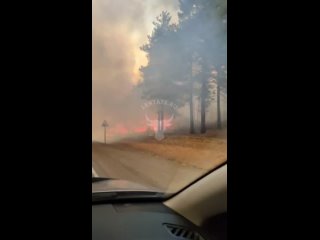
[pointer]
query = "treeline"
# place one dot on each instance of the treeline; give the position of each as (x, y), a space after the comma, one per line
(188, 59)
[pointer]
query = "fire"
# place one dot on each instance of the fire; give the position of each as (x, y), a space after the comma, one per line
(142, 128)
(123, 130)
(166, 125)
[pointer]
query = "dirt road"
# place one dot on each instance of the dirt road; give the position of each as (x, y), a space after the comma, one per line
(167, 165)
(124, 162)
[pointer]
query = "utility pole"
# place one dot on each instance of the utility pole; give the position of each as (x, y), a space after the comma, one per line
(105, 125)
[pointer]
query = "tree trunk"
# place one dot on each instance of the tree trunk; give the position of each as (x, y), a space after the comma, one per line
(219, 125)
(160, 118)
(191, 113)
(203, 107)
(159, 121)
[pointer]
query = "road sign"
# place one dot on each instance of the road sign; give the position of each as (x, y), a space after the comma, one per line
(105, 125)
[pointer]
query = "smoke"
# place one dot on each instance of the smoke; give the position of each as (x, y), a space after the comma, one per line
(119, 28)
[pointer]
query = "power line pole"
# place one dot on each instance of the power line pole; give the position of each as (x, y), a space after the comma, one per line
(105, 125)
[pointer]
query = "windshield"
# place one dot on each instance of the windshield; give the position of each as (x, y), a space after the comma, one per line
(159, 91)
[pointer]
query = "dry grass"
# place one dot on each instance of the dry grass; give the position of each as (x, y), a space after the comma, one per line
(204, 152)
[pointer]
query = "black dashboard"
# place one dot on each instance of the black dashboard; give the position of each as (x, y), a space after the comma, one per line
(141, 221)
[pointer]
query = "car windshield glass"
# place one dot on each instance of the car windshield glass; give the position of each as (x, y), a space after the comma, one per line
(159, 92)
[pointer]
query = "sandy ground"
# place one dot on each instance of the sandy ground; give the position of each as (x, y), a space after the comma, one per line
(168, 165)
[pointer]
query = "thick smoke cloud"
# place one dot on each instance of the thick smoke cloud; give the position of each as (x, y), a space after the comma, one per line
(120, 27)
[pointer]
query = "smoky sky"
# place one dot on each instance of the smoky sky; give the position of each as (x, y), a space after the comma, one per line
(119, 28)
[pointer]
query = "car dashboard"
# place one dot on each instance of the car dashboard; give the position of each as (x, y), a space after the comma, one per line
(141, 221)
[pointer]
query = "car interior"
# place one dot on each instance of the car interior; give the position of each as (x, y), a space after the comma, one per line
(159, 119)
(197, 212)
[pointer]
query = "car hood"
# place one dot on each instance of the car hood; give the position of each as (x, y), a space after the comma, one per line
(119, 185)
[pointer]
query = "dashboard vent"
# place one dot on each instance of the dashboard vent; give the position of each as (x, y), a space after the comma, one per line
(181, 232)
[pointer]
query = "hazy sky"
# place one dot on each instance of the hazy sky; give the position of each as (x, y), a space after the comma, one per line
(120, 27)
